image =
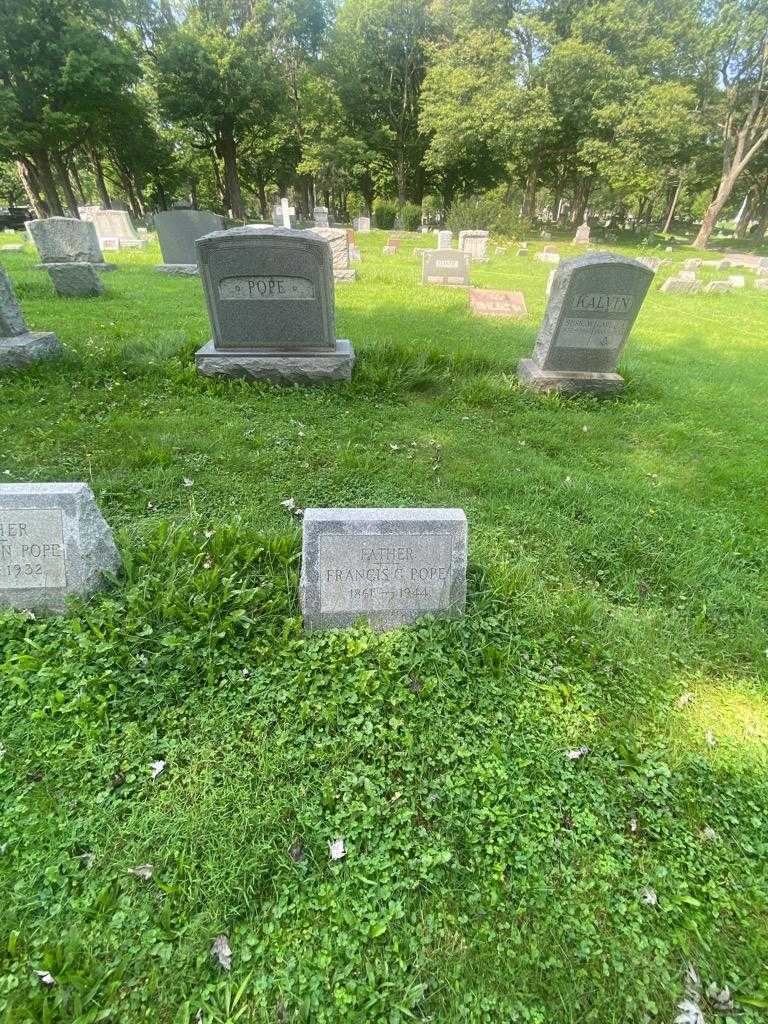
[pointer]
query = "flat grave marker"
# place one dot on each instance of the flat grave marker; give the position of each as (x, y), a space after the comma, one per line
(487, 302)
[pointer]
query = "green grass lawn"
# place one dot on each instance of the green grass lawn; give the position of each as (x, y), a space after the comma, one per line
(618, 600)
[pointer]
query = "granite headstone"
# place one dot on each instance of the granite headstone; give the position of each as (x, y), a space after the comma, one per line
(445, 266)
(67, 240)
(390, 566)
(475, 243)
(75, 280)
(18, 345)
(177, 232)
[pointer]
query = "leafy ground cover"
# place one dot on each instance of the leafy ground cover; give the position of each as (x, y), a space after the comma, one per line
(617, 603)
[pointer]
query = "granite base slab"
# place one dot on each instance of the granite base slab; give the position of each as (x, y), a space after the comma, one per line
(31, 347)
(178, 269)
(568, 382)
(278, 367)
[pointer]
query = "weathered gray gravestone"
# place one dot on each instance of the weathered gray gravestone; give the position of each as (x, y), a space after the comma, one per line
(53, 543)
(18, 345)
(390, 566)
(582, 234)
(445, 266)
(270, 299)
(681, 285)
(475, 243)
(177, 232)
(114, 224)
(66, 240)
(75, 280)
(594, 302)
(444, 239)
(338, 240)
(320, 216)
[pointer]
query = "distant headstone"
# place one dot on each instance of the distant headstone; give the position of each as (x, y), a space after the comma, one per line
(719, 287)
(652, 262)
(500, 250)
(594, 302)
(284, 215)
(545, 236)
(389, 566)
(339, 243)
(523, 252)
(54, 543)
(582, 234)
(114, 224)
(18, 345)
(177, 232)
(692, 264)
(475, 243)
(486, 302)
(11, 248)
(548, 257)
(320, 216)
(444, 239)
(270, 299)
(681, 286)
(362, 224)
(445, 266)
(761, 283)
(686, 275)
(354, 254)
(66, 240)
(75, 280)
(737, 281)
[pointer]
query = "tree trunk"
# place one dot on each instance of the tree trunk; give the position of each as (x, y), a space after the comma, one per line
(746, 216)
(44, 174)
(75, 176)
(262, 194)
(217, 178)
(101, 184)
(29, 182)
(228, 148)
(528, 211)
(66, 185)
(713, 210)
(673, 206)
(193, 193)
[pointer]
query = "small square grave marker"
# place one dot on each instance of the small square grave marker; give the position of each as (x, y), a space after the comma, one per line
(390, 566)
(445, 266)
(485, 302)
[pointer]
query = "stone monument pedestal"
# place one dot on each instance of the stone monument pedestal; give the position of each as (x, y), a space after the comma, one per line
(177, 269)
(568, 382)
(23, 349)
(280, 367)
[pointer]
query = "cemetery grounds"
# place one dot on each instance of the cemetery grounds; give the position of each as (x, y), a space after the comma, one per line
(552, 810)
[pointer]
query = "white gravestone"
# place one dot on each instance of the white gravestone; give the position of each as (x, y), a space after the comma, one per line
(54, 543)
(390, 566)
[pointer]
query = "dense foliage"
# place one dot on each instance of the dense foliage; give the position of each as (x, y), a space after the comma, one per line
(641, 108)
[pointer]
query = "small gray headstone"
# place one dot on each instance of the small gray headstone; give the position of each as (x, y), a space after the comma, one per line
(594, 302)
(54, 542)
(177, 232)
(444, 239)
(320, 216)
(390, 566)
(681, 286)
(548, 257)
(475, 243)
(270, 299)
(18, 345)
(445, 266)
(582, 234)
(719, 287)
(66, 240)
(692, 264)
(75, 280)
(362, 224)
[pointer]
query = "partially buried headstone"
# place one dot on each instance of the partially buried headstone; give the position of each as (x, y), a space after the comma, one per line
(475, 243)
(18, 345)
(338, 240)
(445, 266)
(177, 232)
(75, 280)
(67, 240)
(595, 300)
(390, 566)
(270, 299)
(681, 285)
(54, 543)
(486, 302)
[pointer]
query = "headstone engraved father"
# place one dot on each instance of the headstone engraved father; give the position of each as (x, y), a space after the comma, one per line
(592, 307)
(390, 566)
(270, 301)
(53, 543)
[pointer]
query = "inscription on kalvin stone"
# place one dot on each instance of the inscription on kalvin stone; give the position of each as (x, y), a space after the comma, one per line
(284, 288)
(32, 551)
(390, 566)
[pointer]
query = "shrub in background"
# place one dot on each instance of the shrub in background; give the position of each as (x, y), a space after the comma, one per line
(484, 213)
(384, 212)
(410, 214)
